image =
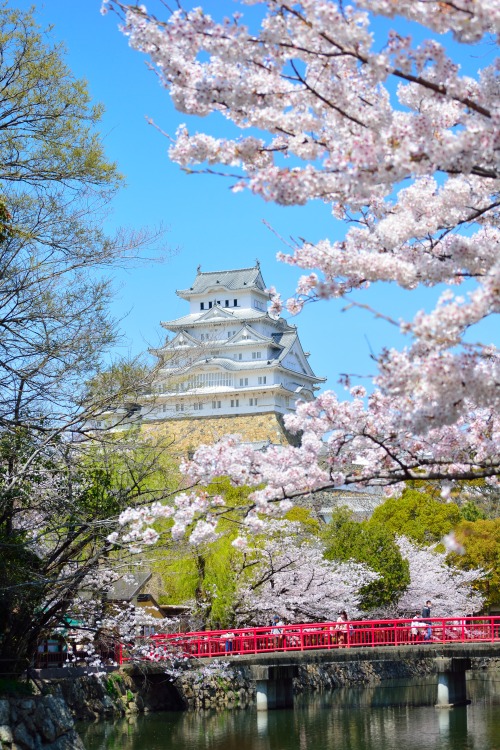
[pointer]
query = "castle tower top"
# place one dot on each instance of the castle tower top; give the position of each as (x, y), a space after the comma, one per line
(238, 280)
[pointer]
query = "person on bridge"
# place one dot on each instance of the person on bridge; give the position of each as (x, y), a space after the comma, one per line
(277, 630)
(426, 612)
(342, 628)
(418, 628)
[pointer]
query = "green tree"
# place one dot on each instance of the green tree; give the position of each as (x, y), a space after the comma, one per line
(417, 515)
(481, 541)
(46, 115)
(470, 511)
(208, 575)
(374, 545)
(55, 331)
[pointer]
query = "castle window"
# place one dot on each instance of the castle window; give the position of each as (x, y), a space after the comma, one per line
(226, 303)
(179, 407)
(262, 379)
(243, 382)
(238, 356)
(198, 406)
(235, 402)
(216, 404)
(202, 305)
(256, 355)
(209, 305)
(252, 401)
(235, 303)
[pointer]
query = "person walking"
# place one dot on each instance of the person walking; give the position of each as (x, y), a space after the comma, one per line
(426, 613)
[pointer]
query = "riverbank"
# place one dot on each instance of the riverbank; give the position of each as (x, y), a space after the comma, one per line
(229, 684)
(47, 721)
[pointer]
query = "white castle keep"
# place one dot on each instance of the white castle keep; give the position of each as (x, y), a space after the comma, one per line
(228, 356)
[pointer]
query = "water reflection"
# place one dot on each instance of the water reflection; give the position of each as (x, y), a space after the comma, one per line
(380, 718)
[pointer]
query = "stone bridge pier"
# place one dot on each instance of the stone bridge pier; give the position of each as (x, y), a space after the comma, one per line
(274, 685)
(451, 689)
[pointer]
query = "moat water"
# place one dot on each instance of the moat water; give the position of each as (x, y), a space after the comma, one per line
(394, 716)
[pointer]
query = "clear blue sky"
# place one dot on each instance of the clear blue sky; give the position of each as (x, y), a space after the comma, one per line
(207, 223)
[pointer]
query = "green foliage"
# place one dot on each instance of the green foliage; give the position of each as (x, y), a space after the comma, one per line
(47, 119)
(481, 540)
(15, 687)
(303, 516)
(111, 686)
(417, 515)
(470, 511)
(207, 576)
(374, 545)
(210, 575)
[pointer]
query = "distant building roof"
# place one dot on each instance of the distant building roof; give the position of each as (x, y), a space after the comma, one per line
(128, 586)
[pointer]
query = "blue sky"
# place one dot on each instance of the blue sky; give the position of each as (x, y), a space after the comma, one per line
(208, 224)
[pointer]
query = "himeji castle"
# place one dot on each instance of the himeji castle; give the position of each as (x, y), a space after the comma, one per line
(229, 367)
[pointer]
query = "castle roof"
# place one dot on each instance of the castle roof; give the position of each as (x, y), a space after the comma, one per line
(216, 314)
(236, 280)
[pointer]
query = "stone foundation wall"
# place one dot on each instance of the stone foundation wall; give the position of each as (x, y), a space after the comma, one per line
(187, 434)
(351, 674)
(37, 722)
(129, 691)
(231, 690)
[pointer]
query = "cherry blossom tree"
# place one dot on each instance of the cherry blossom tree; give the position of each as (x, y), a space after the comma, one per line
(293, 580)
(402, 146)
(450, 589)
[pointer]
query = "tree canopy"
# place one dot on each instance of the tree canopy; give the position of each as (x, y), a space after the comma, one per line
(375, 546)
(417, 515)
(58, 503)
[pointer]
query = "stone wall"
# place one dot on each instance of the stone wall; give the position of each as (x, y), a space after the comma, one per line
(135, 690)
(358, 673)
(37, 722)
(231, 689)
(188, 433)
(129, 691)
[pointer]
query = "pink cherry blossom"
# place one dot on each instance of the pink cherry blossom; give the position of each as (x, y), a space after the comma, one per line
(403, 146)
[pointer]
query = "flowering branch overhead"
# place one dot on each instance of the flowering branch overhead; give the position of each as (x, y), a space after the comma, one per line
(403, 146)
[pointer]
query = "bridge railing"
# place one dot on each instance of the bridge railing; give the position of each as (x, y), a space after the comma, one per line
(312, 636)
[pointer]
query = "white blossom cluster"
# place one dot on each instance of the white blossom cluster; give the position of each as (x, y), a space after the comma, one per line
(295, 582)
(450, 589)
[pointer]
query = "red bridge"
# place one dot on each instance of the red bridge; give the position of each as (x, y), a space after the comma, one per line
(313, 636)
